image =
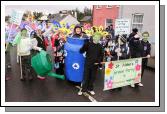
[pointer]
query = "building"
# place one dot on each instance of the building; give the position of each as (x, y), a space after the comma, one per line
(142, 17)
(86, 20)
(64, 16)
(105, 15)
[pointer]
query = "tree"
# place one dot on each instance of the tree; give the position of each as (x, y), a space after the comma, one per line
(37, 15)
(87, 12)
(80, 15)
(7, 19)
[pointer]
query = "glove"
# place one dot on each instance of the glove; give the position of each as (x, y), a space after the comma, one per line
(38, 48)
(148, 56)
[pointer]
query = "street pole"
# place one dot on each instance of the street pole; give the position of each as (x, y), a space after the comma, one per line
(118, 46)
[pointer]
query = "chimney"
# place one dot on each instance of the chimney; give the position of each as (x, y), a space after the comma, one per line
(75, 14)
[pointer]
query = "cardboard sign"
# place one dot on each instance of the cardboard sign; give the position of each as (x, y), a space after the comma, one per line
(122, 73)
(122, 26)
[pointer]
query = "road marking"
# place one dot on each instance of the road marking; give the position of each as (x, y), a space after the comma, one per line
(87, 95)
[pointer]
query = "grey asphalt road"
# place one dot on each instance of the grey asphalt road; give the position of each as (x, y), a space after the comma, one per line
(55, 90)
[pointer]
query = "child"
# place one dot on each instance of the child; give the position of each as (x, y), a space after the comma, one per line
(78, 33)
(136, 50)
(108, 50)
(121, 49)
(59, 53)
(94, 54)
(146, 52)
(40, 43)
(24, 45)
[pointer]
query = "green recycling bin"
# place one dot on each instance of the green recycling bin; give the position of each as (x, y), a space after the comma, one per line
(42, 64)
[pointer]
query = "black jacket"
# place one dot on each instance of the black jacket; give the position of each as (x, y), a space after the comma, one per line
(41, 42)
(94, 53)
(131, 36)
(136, 48)
(146, 48)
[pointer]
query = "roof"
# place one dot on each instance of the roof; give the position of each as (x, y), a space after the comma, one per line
(44, 18)
(58, 17)
(86, 18)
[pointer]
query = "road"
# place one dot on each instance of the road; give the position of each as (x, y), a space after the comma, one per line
(55, 90)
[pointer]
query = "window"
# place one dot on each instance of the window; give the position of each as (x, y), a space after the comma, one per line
(137, 21)
(109, 6)
(108, 22)
(98, 7)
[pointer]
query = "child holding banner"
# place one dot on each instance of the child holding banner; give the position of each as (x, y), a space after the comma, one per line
(94, 54)
(146, 51)
(136, 50)
(122, 51)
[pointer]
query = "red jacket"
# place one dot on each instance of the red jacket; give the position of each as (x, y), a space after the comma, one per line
(53, 38)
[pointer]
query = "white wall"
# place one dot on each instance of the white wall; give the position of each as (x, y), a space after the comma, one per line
(148, 20)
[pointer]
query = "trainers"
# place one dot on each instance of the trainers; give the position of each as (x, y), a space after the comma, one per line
(140, 84)
(40, 77)
(80, 93)
(132, 85)
(23, 79)
(92, 92)
(9, 66)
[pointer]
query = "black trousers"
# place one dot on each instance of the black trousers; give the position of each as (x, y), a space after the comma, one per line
(26, 66)
(89, 77)
(144, 65)
(60, 70)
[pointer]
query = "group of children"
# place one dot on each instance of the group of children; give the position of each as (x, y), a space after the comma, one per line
(97, 48)
(122, 48)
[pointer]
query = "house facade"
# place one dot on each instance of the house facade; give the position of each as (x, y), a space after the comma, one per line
(141, 16)
(105, 15)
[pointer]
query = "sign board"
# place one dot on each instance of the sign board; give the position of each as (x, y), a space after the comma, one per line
(122, 73)
(16, 17)
(122, 26)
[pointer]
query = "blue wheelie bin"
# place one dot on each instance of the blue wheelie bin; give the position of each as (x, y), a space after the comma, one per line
(74, 60)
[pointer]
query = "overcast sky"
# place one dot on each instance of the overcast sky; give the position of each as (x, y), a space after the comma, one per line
(43, 8)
